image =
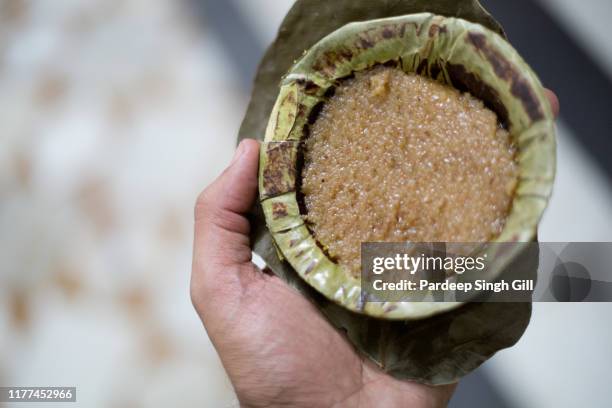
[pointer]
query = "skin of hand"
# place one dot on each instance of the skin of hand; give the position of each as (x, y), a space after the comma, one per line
(276, 347)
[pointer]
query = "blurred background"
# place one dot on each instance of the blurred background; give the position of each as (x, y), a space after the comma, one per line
(114, 114)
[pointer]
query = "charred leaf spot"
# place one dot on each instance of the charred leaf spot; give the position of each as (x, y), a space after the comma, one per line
(278, 117)
(331, 58)
(309, 87)
(289, 99)
(506, 71)
(301, 110)
(422, 68)
(329, 61)
(435, 70)
(365, 43)
(346, 54)
(310, 267)
(318, 66)
(433, 30)
(331, 91)
(293, 242)
(388, 32)
(523, 91)
(466, 81)
(279, 210)
(321, 65)
(279, 173)
(314, 113)
(392, 64)
(479, 40)
(305, 135)
(390, 308)
(437, 29)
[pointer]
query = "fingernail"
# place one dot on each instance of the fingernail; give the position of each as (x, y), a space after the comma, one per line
(239, 152)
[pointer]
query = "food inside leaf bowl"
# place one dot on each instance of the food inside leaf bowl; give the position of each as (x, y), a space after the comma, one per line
(417, 128)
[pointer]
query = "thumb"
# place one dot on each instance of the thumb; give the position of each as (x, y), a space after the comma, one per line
(221, 228)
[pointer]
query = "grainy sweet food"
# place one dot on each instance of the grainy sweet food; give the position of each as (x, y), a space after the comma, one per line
(400, 157)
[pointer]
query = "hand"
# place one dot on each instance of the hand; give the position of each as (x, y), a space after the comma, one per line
(276, 347)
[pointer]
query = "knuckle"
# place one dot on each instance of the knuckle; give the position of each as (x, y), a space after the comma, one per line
(203, 204)
(198, 293)
(195, 296)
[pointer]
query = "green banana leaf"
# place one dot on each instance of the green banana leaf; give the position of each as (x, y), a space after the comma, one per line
(437, 350)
